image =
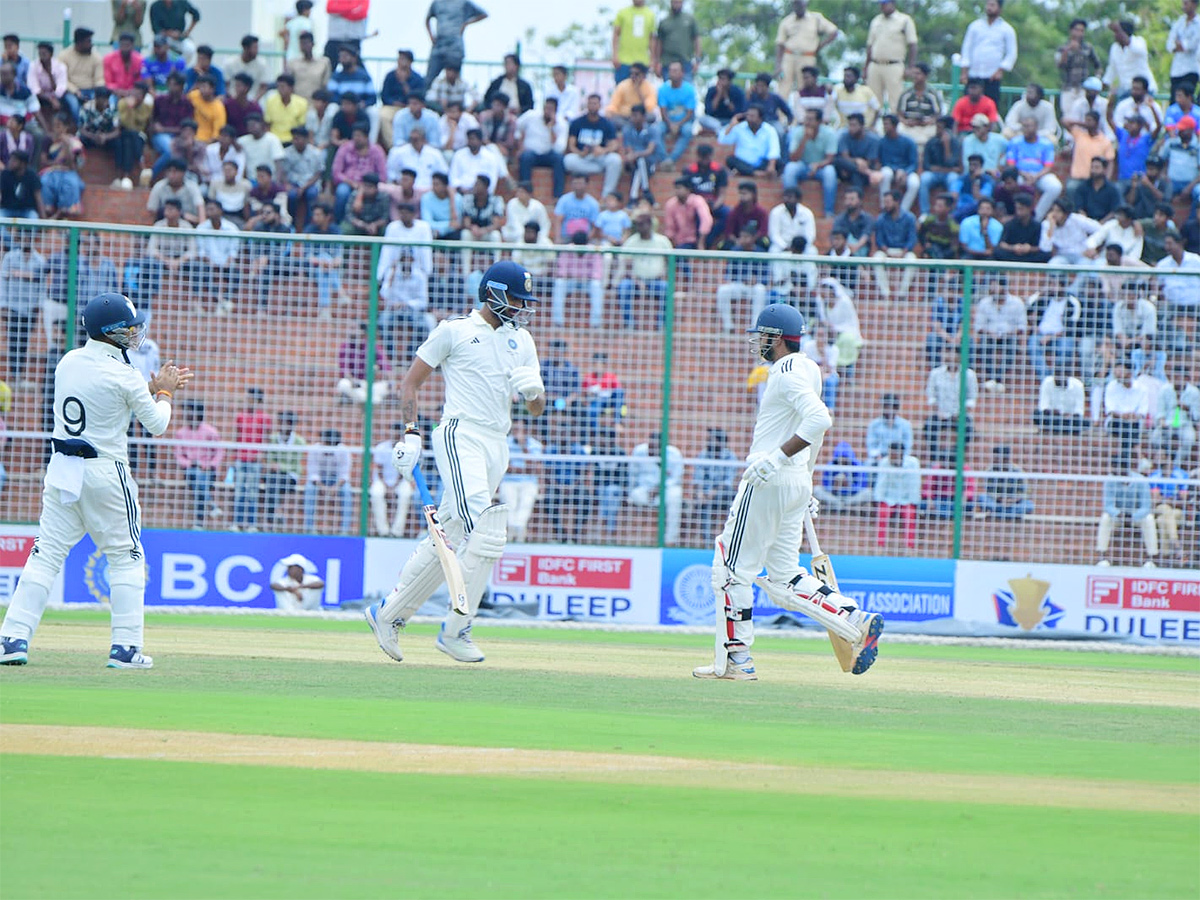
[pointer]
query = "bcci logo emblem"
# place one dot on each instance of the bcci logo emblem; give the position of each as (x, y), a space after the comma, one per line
(95, 576)
(693, 596)
(528, 283)
(1027, 605)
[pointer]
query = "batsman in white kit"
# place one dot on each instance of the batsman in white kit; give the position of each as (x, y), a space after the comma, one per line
(88, 488)
(486, 358)
(767, 520)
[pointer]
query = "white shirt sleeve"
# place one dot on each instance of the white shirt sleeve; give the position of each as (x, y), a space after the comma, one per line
(155, 415)
(437, 346)
(815, 419)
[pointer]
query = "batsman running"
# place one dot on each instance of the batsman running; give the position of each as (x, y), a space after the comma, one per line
(485, 358)
(766, 522)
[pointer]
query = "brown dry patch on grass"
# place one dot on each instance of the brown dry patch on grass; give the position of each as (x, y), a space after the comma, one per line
(614, 768)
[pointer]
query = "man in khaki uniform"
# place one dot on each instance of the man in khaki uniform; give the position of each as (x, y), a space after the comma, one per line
(891, 41)
(801, 35)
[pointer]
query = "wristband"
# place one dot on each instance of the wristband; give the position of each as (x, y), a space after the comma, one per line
(168, 393)
(411, 428)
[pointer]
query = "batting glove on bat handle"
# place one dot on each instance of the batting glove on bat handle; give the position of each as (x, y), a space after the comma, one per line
(763, 470)
(526, 381)
(814, 507)
(406, 453)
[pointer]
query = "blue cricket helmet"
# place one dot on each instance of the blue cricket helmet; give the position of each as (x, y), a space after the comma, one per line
(113, 316)
(781, 320)
(505, 281)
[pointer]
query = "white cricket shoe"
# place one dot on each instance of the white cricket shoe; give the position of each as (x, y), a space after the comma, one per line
(387, 634)
(866, 648)
(743, 671)
(128, 658)
(459, 646)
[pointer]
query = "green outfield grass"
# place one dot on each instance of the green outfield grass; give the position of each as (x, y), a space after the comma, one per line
(992, 734)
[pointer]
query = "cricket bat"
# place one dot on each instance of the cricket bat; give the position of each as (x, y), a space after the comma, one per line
(445, 553)
(822, 568)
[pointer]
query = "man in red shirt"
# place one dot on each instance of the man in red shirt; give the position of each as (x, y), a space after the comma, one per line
(687, 219)
(603, 388)
(971, 104)
(252, 426)
(122, 67)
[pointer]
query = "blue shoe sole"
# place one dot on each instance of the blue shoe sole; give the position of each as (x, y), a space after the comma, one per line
(16, 659)
(870, 647)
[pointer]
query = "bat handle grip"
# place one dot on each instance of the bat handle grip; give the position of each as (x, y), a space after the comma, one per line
(422, 487)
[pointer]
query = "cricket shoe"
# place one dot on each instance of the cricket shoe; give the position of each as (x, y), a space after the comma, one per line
(867, 647)
(387, 634)
(459, 646)
(743, 671)
(14, 651)
(128, 658)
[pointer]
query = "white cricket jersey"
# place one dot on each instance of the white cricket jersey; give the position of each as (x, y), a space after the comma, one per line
(791, 405)
(95, 390)
(476, 360)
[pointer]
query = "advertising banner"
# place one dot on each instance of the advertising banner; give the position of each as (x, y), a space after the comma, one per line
(197, 568)
(903, 590)
(1149, 605)
(15, 543)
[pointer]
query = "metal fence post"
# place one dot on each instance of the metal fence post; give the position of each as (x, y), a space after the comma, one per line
(664, 440)
(72, 286)
(968, 275)
(369, 387)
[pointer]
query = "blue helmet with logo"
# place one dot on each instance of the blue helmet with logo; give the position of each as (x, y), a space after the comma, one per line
(113, 316)
(777, 321)
(502, 283)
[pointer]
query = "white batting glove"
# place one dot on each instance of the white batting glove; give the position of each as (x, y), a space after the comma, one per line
(814, 507)
(764, 469)
(526, 381)
(406, 453)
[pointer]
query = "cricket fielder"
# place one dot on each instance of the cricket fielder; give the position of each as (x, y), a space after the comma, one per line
(88, 487)
(766, 522)
(485, 358)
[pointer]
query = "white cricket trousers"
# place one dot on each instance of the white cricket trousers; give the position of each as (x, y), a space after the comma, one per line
(108, 510)
(764, 528)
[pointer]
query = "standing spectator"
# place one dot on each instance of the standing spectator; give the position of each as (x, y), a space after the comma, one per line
(897, 492)
(23, 272)
(1077, 62)
(812, 148)
(813, 95)
(171, 110)
(942, 393)
(677, 103)
(1021, 235)
(1005, 494)
(898, 163)
(1183, 161)
(1033, 157)
(1060, 405)
(1091, 100)
(1183, 43)
(857, 224)
(283, 110)
(755, 145)
(891, 39)
(943, 164)
(971, 106)
(329, 472)
(919, 108)
(219, 255)
(135, 116)
(85, 70)
(800, 37)
(398, 84)
(999, 324)
(348, 28)
(295, 25)
(632, 35)
(301, 170)
(208, 110)
(128, 16)
(386, 479)
(452, 17)
(251, 427)
(722, 102)
(1126, 493)
(645, 482)
(591, 146)
(541, 140)
(198, 458)
(238, 105)
(646, 275)
(989, 49)
(852, 97)
(895, 238)
(311, 72)
(1128, 57)
(676, 41)
(122, 67)
(353, 160)
(857, 161)
(981, 232)
(1032, 103)
(47, 80)
(168, 19)
(686, 217)
(203, 68)
(516, 89)
(248, 63)
(160, 64)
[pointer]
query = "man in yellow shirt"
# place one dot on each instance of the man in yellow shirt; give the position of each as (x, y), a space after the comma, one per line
(283, 109)
(801, 35)
(629, 93)
(207, 109)
(633, 29)
(891, 43)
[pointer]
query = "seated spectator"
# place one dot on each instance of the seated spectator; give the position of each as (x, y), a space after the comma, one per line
(535, 251)
(591, 146)
(522, 209)
(839, 249)
(122, 67)
(945, 315)
(1139, 102)
(202, 67)
(813, 95)
(645, 276)
(942, 393)
(1126, 493)
(747, 212)
(1033, 157)
(482, 215)
(231, 193)
(62, 188)
(897, 492)
(208, 109)
(416, 115)
(516, 90)
(788, 220)
(385, 479)
(1182, 153)
(715, 481)
(1126, 406)
(898, 163)
(887, 429)
(1148, 191)
(811, 151)
(635, 90)
(1078, 107)
(943, 163)
(677, 106)
(217, 257)
(1097, 198)
(578, 273)
(895, 238)
(1122, 230)
(159, 65)
(198, 459)
(403, 275)
(1053, 315)
(989, 145)
(1021, 235)
(755, 145)
(973, 104)
(774, 108)
(1065, 233)
(836, 311)
(417, 156)
(937, 232)
(350, 79)
(347, 115)
(1090, 144)
(260, 147)
(224, 149)
(1176, 414)
(745, 279)
(1169, 493)
(708, 179)
(185, 147)
(858, 225)
(352, 161)
(570, 100)
(919, 109)
(370, 211)
(176, 187)
(722, 102)
(449, 87)
(1134, 325)
(98, 126)
(499, 127)
(980, 233)
(265, 189)
(575, 211)
(1006, 192)
(519, 486)
(857, 160)
(329, 472)
(250, 64)
(1033, 104)
(171, 109)
(170, 254)
(271, 262)
(999, 323)
(845, 483)
(541, 139)
(312, 72)
(323, 262)
(1060, 408)
(641, 150)
(1154, 233)
(851, 96)
(352, 369)
(439, 207)
(613, 224)
(1184, 105)
(938, 488)
(302, 168)
(398, 84)
(135, 115)
(645, 482)
(686, 217)
(238, 104)
(283, 110)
